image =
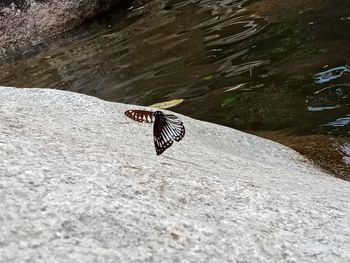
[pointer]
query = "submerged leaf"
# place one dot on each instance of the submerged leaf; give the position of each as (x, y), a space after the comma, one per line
(228, 101)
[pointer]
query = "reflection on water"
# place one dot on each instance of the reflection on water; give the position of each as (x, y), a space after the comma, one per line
(341, 122)
(332, 96)
(331, 74)
(230, 65)
(345, 148)
(329, 98)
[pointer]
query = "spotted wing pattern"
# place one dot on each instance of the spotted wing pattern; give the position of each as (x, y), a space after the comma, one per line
(140, 115)
(166, 129)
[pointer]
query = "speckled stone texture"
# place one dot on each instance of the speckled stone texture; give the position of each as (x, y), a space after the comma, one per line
(80, 182)
(24, 23)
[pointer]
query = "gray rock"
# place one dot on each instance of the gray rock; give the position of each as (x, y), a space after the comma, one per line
(80, 182)
(24, 23)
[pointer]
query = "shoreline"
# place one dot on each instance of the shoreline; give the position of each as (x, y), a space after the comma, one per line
(324, 151)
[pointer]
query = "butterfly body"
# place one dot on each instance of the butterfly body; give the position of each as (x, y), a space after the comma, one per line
(166, 127)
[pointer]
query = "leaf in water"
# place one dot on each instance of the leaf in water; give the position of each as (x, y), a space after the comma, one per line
(208, 77)
(211, 76)
(228, 101)
(167, 104)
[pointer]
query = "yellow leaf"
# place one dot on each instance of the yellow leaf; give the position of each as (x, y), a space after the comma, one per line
(167, 104)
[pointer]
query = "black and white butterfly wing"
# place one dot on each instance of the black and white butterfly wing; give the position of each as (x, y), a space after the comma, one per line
(177, 127)
(166, 129)
(140, 115)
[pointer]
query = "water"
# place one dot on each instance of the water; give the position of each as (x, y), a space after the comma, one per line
(231, 62)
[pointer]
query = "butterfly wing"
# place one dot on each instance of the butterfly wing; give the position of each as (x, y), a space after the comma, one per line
(166, 129)
(177, 127)
(140, 115)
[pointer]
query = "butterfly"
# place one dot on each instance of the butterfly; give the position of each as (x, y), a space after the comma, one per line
(166, 127)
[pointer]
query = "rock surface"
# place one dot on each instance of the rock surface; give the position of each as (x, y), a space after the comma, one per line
(25, 23)
(79, 182)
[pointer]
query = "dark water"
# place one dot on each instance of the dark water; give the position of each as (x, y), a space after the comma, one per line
(232, 63)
